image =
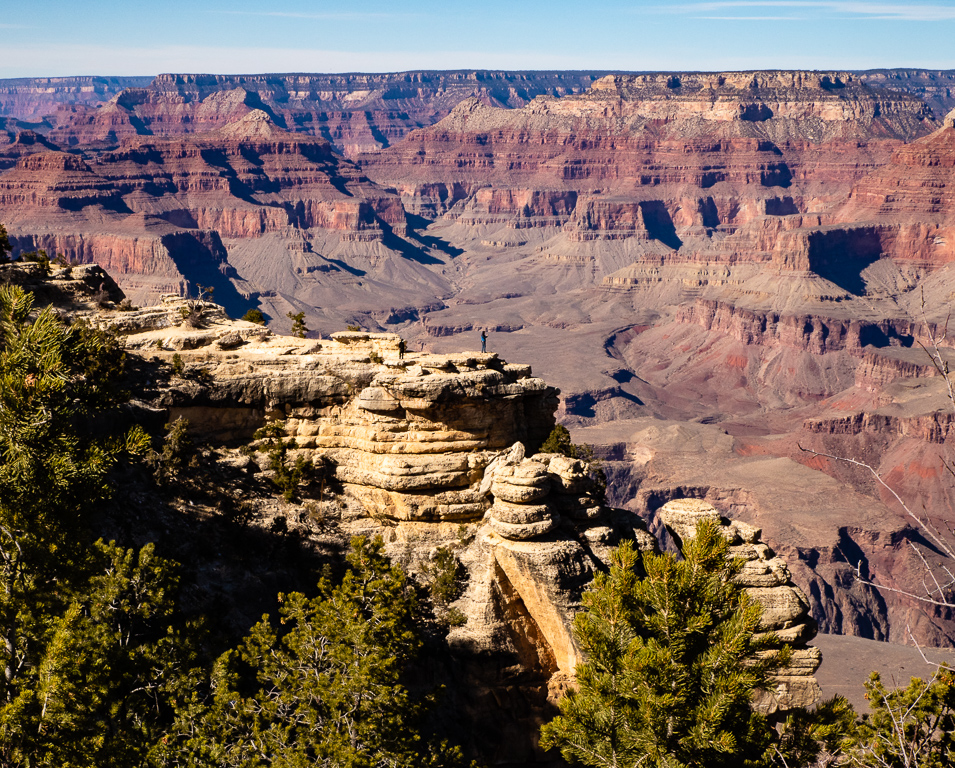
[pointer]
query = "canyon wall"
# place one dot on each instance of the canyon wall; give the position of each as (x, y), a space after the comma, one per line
(746, 261)
(356, 112)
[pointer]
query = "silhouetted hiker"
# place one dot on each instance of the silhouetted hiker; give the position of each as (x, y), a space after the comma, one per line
(484, 341)
(401, 349)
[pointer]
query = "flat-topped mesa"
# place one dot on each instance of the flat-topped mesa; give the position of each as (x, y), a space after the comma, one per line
(676, 84)
(760, 96)
(766, 578)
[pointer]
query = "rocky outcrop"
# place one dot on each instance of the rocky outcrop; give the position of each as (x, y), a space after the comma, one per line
(421, 441)
(422, 448)
(766, 579)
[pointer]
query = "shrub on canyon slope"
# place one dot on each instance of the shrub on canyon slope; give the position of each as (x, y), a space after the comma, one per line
(912, 727)
(298, 324)
(558, 441)
(254, 315)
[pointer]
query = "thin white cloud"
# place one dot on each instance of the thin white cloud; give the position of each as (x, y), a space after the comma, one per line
(875, 11)
(753, 18)
(52, 60)
(320, 16)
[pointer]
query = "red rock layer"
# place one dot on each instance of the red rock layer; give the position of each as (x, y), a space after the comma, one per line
(910, 201)
(356, 112)
(152, 212)
(248, 178)
(720, 168)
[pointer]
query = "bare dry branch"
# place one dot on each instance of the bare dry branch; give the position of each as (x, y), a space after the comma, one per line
(948, 550)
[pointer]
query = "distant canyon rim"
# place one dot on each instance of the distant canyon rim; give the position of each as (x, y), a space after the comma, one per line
(716, 269)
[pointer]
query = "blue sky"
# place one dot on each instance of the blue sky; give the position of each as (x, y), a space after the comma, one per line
(106, 37)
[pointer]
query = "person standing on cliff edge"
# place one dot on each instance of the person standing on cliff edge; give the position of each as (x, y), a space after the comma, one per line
(484, 341)
(401, 349)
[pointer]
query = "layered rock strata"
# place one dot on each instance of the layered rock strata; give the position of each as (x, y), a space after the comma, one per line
(164, 213)
(766, 578)
(423, 446)
(357, 112)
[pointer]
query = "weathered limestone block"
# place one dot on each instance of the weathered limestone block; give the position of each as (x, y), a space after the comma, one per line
(766, 579)
(425, 427)
(761, 568)
(570, 474)
(464, 505)
(783, 606)
(522, 531)
(549, 578)
(521, 484)
(378, 399)
(229, 340)
(519, 514)
(795, 683)
(401, 472)
(681, 516)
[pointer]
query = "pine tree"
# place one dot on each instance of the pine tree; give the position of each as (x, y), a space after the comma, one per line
(325, 688)
(671, 665)
(104, 670)
(298, 324)
(84, 641)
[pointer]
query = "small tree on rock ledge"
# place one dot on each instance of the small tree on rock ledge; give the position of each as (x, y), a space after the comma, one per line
(298, 324)
(671, 665)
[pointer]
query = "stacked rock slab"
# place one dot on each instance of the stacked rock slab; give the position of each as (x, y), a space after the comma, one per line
(547, 532)
(521, 487)
(766, 578)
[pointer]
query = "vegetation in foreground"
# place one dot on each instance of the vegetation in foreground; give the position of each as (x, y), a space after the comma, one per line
(101, 666)
(673, 661)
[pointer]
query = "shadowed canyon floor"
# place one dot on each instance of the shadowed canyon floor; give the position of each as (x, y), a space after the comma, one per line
(715, 269)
